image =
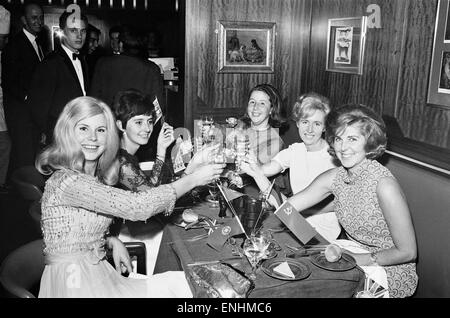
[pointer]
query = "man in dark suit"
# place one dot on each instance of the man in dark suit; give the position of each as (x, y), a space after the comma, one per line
(130, 69)
(60, 77)
(91, 50)
(19, 60)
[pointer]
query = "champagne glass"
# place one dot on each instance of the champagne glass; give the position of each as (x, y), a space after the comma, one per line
(255, 248)
(213, 191)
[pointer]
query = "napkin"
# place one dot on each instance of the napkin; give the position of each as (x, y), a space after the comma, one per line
(284, 269)
(375, 272)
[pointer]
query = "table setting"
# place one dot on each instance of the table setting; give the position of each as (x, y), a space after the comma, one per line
(263, 254)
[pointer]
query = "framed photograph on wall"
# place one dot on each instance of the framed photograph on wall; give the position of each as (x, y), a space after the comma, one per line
(245, 47)
(345, 46)
(439, 84)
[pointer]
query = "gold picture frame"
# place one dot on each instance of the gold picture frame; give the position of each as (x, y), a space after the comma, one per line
(245, 47)
(345, 45)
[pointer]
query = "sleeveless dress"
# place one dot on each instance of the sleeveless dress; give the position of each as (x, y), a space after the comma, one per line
(76, 212)
(359, 213)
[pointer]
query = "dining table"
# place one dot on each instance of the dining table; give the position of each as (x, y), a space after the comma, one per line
(181, 248)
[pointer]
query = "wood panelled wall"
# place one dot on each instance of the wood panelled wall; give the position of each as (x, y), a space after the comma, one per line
(207, 91)
(396, 64)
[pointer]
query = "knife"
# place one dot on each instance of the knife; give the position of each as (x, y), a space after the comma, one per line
(214, 262)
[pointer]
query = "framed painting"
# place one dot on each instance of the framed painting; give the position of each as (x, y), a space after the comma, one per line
(345, 45)
(439, 83)
(245, 47)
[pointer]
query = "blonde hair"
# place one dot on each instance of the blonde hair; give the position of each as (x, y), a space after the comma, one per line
(65, 151)
(307, 104)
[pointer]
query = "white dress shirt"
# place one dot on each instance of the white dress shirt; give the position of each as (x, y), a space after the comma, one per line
(77, 65)
(32, 39)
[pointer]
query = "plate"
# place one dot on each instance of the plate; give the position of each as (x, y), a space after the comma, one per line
(300, 268)
(271, 254)
(345, 263)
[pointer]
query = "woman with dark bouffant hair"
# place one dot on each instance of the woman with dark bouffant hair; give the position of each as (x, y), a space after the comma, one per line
(369, 202)
(261, 121)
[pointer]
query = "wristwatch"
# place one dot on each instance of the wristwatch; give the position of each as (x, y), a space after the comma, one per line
(373, 258)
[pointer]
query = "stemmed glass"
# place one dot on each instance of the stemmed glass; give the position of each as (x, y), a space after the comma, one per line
(255, 248)
(216, 157)
(213, 191)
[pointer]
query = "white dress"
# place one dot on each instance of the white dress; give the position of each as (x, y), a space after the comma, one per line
(76, 213)
(304, 166)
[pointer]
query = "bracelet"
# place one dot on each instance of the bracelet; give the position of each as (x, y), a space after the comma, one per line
(374, 258)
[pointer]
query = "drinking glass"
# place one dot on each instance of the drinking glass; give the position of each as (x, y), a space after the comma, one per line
(255, 248)
(213, 191)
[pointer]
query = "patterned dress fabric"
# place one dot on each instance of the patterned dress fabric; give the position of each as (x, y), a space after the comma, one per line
(132, 177)
(76, 212)
(359, 213)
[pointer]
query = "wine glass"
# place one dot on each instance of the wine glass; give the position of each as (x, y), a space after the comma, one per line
(255, 248)
(213, 191)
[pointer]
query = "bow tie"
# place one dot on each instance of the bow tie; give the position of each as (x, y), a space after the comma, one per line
(75, 56)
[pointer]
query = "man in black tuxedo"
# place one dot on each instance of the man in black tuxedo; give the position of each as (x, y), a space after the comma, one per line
(60, 77)
(19, 60)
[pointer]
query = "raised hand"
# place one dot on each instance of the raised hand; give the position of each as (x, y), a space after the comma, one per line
(207, 173)
(165, 139)
(202, 157)
(250, 165)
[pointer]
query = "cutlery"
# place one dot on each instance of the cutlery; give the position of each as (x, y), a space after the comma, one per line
(215, 261)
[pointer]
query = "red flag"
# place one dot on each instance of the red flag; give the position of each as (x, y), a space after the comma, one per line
(295, 222)
(220, 233)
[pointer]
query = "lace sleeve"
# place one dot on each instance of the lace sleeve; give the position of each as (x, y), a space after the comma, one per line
(155, 175)
(86, 192)
(133, 178)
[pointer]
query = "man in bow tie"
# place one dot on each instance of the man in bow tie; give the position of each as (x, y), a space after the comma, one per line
(61, 76)
(19, 60)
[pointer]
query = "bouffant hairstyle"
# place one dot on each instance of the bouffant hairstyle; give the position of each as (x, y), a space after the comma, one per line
(307, 104)
(275, 119)
(371, 125)
(130, 103)
(66, 152)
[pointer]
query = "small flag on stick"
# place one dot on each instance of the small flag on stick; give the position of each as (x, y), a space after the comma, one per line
(295, 222)
(230, 206)
(222, 232)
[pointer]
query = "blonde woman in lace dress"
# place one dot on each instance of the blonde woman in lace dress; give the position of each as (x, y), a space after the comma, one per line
(369, 202)
(79, 203)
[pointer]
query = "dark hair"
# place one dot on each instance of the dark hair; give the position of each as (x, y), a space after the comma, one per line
(23, 12)
(275, 119)
(371, 125)
(63, 19)
(132, 42)
(130, 103)
(92, 28)
(115, 29)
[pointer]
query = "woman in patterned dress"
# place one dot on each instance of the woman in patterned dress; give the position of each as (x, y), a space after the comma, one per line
(369, 202)
(79, 203)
